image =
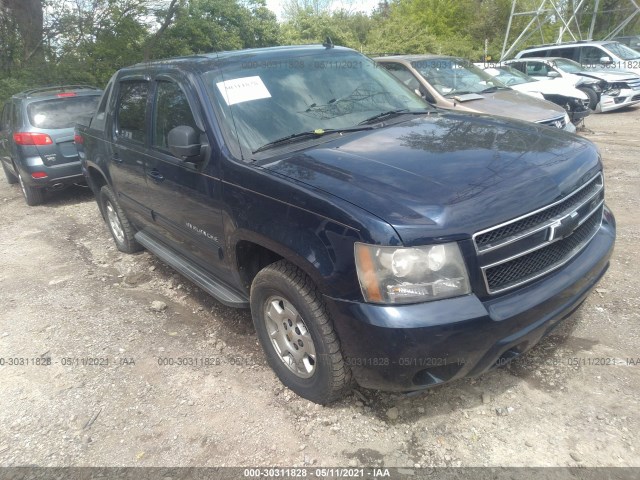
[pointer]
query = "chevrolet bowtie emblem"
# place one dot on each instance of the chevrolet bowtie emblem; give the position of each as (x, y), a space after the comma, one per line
(564, 227)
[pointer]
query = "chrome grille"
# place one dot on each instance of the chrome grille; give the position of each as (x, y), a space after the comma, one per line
(527, 247)
(492, 238)
(633, 83)
(558, 122)
(539, 262)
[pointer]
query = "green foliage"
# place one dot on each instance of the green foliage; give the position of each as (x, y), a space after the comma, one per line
(86, 41)
(349, 30)
(216, 25)
(427, 26)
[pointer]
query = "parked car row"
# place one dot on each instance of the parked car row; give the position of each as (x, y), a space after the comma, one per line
(575, 101)
(455, 83)
(377, 240)
(541, 85)
(607, 90)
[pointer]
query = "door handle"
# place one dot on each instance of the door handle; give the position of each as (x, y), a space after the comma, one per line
(156, 176)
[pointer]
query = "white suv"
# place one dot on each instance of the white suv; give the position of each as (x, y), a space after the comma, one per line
(607, 89)
(606, 55)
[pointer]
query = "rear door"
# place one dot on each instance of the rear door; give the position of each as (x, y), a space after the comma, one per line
(56, 118)
(130, 142)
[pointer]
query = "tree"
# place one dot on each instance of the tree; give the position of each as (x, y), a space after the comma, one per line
(215, 25)
(29, 17)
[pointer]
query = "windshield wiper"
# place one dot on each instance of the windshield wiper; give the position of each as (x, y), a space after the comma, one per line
(319, 132)
(392, 113)
(458, 92)
(492, 89)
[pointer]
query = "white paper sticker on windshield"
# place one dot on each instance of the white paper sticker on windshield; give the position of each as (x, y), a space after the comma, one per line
(244, 89)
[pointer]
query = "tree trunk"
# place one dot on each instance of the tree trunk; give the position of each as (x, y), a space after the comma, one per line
(30, 18)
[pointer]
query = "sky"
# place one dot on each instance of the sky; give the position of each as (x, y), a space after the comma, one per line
(366, 6)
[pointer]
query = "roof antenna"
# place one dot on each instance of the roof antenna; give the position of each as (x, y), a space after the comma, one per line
(328, 43)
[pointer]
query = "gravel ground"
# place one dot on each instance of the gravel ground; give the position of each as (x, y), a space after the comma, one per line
(107, 322)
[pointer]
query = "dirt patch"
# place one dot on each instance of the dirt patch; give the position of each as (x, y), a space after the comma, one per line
(187, 384)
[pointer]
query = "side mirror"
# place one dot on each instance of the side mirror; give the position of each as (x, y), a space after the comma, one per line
(605, 60)
(184, 142)
(553, 74)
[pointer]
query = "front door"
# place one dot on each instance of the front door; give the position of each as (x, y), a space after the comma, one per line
(184, 194)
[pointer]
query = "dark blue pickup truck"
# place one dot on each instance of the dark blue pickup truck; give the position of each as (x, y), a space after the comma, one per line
(375, 239)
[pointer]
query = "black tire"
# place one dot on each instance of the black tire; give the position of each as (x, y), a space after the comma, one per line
(121, 229)
(295, 301)
(11, 177)
(33, 196)
(593, 97)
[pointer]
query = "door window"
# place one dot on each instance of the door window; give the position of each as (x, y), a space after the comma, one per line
(569, 53)
(538, 69)
(132, 110)
(592, 55)
(171, 110)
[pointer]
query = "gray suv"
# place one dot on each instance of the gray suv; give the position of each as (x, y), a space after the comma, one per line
(37, 147)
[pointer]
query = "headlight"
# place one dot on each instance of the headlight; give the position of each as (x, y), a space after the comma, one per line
(567, 120)
(411, 274)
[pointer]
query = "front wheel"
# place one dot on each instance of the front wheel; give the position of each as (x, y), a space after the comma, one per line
(593, 96)
(297, 334)
(121, 230)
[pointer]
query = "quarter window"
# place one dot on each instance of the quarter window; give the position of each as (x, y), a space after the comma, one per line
(132, 109)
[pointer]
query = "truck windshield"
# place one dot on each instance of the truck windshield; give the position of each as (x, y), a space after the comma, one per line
(265, 100)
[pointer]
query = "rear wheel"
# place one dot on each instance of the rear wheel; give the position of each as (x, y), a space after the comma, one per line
(11, 177)
(33, 196)
(121, 230)
(297, 334)
(593, 96)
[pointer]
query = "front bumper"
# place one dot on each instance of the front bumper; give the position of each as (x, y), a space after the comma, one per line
(576, 115)
(626, 98)
(411, 347)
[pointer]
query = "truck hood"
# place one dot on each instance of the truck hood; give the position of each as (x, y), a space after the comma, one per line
(446, 175)
(513, 104)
